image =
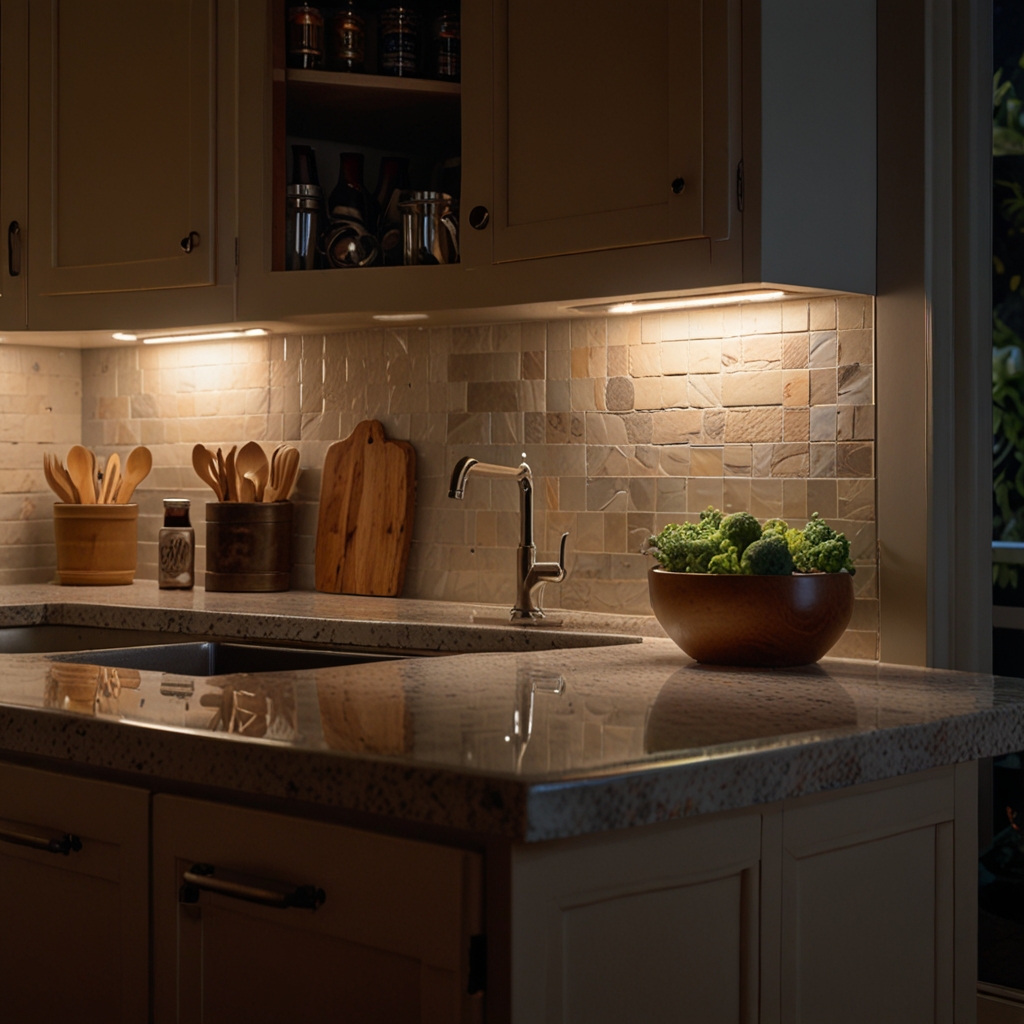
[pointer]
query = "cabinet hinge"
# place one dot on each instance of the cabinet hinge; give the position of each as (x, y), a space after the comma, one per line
(739, 186)
(236, 257)
(477, 964)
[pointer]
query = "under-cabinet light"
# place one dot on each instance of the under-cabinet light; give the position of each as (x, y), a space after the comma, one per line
(164, 339)
(124, 336)
(658, 305)
(398, 317)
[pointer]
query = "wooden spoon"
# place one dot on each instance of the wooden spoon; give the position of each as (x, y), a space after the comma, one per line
(111, 477)
(57, 485)
(231, 473)
(80, 469)
(222, 475)
(205, 464)
(136, 469)
(289, 472)
(64, 477)
(252, 466)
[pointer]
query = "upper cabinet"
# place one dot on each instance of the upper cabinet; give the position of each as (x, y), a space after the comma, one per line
(124, 141)
(13, 163)
(612, 126)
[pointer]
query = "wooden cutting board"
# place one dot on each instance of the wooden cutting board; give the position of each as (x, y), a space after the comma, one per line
(367, 500)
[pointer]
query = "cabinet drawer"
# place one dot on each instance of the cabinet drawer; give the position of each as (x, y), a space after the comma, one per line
(390, 941)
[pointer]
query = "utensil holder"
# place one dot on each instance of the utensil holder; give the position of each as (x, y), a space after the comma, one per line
(248, 546)
(97, 545)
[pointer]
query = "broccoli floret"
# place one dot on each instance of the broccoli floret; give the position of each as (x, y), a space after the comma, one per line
(833, 555)
(774, 527)
(817, 531)
(818, 548)
(740, 530)
(711, 518)
(727, 561)
(670, 547)
(768, 556)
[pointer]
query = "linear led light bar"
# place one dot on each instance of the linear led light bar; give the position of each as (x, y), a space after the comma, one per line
(400, 317)
(694, 302)
(166, 339)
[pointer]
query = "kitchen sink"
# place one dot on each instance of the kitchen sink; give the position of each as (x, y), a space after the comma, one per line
(47, 639)
(213, 658)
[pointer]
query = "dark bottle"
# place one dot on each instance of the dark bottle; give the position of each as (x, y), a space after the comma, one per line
(351, 239)
(392, 180)
(305, 37)
(400, 40)
(346, 39)
(446, 46)
(304, 166)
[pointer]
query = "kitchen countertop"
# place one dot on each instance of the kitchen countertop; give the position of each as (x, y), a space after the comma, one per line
(526, 744)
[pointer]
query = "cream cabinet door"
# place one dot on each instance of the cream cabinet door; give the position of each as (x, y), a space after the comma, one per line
(878, 903)
(382, 934)
(13, 161)
(613, 126)
(123, 159)
(74, 926)
(658, 928)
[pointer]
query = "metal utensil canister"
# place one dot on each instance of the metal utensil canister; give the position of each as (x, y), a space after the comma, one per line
(248, 545)
(302, 227)
(430, 233)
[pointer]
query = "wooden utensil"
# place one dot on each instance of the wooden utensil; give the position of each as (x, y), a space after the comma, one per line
(204, 462)
(92, 473)
(80, 469)
(136, 469)
(231, 473)
(222, 476)
(367, 501)
(286, 468)
(57, 485)
(252, 467)
(64, 477)
(111, 477)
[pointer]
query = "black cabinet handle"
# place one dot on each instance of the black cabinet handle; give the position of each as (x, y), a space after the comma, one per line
(190, 241)
(66, 844)
(14, 248)
(678, 184)
(201, 878)
(479, 217)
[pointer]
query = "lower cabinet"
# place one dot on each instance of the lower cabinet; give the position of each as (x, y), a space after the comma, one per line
(74, 899)
(388, 941)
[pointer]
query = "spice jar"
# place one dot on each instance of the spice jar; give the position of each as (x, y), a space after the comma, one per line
(305, 37)
(400, 40)
(446, 45)
(177, 547)
(346, 40)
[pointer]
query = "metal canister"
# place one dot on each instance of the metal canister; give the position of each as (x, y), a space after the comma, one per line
(302, 226)
(400, 40)
(430, 234)
(248, 545)
(305, 37)
(176, 547)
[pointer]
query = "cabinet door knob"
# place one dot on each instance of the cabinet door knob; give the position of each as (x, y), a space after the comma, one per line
(479, 217)
(190, 241)
(678, 184)
(14, 249)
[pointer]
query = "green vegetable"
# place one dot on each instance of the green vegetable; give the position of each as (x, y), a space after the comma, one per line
(768, 556)
(738, 544)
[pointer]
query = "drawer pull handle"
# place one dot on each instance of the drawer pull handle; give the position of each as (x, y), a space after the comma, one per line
(66, 844)
(201, 877)
(14, 248)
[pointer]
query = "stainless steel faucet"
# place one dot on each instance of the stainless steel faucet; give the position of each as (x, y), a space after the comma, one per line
(531, 575)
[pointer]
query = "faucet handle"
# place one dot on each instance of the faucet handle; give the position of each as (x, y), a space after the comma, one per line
(561, 553)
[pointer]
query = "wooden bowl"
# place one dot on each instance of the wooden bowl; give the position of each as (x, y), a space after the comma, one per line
(767, 621)
(96, 544)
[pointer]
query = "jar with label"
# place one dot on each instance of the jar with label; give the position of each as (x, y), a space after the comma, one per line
(346, 39)
(305, 37)
(446, 46)
(400, 41)
(177, 547)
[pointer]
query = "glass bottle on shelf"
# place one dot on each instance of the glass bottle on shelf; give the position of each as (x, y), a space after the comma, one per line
(305, 37)
(350, 240)
(392, 180)
(304, 202)
(400, 40)
(346, 39)
(176, 547)
(446, 46)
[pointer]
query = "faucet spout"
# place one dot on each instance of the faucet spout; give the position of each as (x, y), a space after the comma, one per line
(460, 474)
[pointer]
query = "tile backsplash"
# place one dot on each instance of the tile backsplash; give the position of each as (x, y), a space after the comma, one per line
(627, 422)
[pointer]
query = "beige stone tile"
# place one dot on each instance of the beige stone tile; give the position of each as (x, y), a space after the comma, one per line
(623, 330)
(674, 426)
(766, 498)
(533, 364)
(735, 495)
(795, 316)
(823, 387)
(790, 460)
(761, 318)
(844, 422)
(823, 423)
(794, 499)
(854, 459)
(707, 323)
(559, 364)
(639, 427)
(650, 329)
(534, 335)
(854, 385)
(705, 356)
(618, 361)
(670, 494)
(712, 426)
(741, 388)
(647, 393)
(865, 582)
(852, 312)
(796, 387)
(761, 352)
(588, 332)
(615, 533)
(823, 460)
(645, 361)
(757, 424)
(864, 422)
(704, 491)
(607, 494)
(619, 393)
(675, 325)
(559, 334)
(581, 394)
(856, 644)
(822, 498)
(704, 389)
(731, 353)
(761, 459)
(823, 314)
(674, 460)
(856, 347)
(572, 493)
(589, 534)
(796, 425)
(580, 363)
(597, 362)
(736, 460)
(823, 349)
(706, 462)
(856, 499)
(675, 392)
(674, 357)
(642, 493)
(605, 429)
(468, 428)
(607, 461)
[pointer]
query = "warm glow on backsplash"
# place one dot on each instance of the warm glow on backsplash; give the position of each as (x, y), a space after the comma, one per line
(629, 422)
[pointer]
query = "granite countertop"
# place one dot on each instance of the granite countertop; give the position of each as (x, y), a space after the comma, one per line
(525, 744)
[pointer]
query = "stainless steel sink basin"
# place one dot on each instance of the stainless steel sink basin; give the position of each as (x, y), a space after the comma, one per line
(219, 659)
(45, 639)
